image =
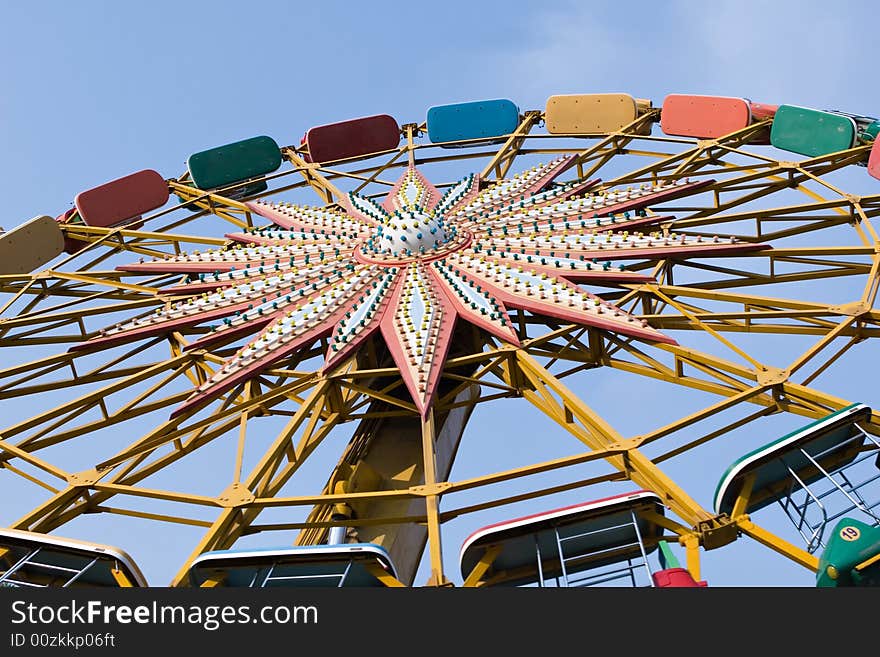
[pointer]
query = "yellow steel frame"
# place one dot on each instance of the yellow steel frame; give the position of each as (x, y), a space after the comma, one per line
(54, 307)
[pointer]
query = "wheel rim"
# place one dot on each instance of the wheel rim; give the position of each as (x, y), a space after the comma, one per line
(713, 299)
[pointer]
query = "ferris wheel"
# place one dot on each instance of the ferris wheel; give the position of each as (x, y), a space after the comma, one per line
(389, 278)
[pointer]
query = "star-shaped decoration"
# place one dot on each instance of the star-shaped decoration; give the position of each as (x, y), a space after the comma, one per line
(412, 267)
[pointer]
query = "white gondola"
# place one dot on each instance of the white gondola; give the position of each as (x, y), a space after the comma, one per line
(817, 474)
(345, 565)
(602, 542)
(29, 559)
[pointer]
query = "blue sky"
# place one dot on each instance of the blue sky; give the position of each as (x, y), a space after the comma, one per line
(92, 91)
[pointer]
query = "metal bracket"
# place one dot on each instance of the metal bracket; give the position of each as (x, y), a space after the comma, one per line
(626, 444)
(771, 376)
(85, 478)
(716, 532)
(235, 495)
(853, 309)
(411, 126)
(534, 114)
(434, 489)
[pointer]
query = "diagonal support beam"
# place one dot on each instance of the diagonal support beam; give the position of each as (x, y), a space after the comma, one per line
(222, 533)
(505, 156)
(553, 398)
(325, 189)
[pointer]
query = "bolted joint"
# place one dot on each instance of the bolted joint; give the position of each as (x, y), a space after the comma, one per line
(234, 496)
(626, 444)
(771, 376)
(410, 126)
(437, 488)
(716, 532)
(85, 478)
(854, 309)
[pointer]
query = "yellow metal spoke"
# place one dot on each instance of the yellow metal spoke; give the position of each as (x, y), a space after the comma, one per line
(813, 239)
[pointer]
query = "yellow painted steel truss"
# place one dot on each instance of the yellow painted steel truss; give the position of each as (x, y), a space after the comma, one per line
(47, 311)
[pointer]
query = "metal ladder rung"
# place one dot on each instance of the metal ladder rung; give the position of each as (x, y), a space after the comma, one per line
(341, 576)
(595, 531)
(865, 482)
(281, 578)
(19, 582)
(852, 488)
(848, 486)
(606, 576)
(28, 560)
(604, 550)
(820, 502)
(851, 507)
(6, 575)
(50, 566)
